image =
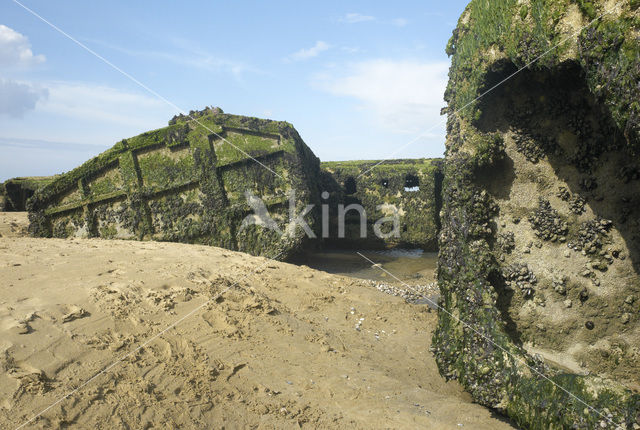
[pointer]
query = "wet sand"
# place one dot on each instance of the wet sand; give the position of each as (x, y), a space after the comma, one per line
(412, 266)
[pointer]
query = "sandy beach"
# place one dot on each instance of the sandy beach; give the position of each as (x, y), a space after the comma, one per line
(253, 343)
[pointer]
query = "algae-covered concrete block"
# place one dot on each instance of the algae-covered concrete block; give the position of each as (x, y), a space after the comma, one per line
(188, 182)
(539, 250)
(404, 191)
(15, 192)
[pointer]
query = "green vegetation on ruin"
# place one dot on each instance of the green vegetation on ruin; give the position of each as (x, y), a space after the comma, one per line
(185, 183)
(411, 186)
(493, 39)
(15, 192)
(533, 33)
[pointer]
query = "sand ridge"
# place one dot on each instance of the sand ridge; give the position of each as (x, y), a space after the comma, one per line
(283, 346)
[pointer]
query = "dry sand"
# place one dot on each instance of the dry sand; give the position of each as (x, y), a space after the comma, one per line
(277, 349)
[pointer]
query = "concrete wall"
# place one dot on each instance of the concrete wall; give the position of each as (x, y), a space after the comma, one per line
(185, 183)
(409, 189)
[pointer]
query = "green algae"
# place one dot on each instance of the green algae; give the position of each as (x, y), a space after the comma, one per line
(15, 192)
(185, 183)
(481, 353)
(409, 186)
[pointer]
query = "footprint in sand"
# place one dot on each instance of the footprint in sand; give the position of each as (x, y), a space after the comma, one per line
(21, 325)
(74, 312)
(31, 379)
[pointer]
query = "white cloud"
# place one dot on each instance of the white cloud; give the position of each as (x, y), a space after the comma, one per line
(15, 50)
(187, 53)
(307, 53)
(29, 157)
(353, 18)
(16, 98)
(403, 96)
(88, 113)
(83, 101)
(399, 22)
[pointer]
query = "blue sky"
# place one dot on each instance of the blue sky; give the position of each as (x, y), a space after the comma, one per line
(358, 79)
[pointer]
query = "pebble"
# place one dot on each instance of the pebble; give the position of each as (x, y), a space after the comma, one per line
(626, 317)
(412, 294)
(568, 303)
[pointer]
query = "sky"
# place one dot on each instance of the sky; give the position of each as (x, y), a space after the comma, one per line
(357, 79)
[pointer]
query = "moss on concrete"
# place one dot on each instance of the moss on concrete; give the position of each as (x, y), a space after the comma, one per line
(15, 192)
(412, 187)
(486, 353)
(184, 183)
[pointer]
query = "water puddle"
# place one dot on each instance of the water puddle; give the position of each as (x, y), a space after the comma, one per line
(413, 266)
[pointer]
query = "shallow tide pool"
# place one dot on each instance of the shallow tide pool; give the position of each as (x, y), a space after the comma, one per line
(413, 265)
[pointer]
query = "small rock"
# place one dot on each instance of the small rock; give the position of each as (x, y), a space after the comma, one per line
(568, 303)
(626, 317)
(589, 325)
(629, 300)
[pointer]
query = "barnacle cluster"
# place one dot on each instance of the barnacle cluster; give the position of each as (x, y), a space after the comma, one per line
(591, 236)
(527, 146)
(520, 276)
(547, 223)
(576, 203)
(506, 242)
